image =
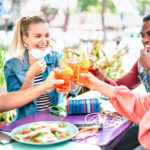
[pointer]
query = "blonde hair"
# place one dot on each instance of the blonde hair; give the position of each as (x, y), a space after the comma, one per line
(17, 46)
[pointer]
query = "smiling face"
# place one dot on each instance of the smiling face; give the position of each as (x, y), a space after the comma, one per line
(38, 36)
(145, 33)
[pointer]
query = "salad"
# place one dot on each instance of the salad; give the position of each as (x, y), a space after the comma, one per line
(43, 132)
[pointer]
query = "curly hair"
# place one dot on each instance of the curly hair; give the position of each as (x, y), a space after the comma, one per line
(146, 18)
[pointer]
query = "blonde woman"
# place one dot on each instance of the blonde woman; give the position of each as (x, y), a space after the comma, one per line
(32, 63)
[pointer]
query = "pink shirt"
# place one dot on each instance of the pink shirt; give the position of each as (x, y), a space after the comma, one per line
(136, 108)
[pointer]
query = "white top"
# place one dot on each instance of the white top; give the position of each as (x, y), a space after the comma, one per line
(43, 102)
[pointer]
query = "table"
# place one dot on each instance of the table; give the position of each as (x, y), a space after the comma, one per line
(101, 139)
(68, 145)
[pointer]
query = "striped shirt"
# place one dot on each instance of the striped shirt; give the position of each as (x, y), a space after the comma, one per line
(43, 102)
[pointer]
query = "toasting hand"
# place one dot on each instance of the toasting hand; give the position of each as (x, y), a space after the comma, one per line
(145, 58)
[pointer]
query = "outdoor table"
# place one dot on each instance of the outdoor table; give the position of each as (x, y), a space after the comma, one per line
(99, 140)
(68, 145)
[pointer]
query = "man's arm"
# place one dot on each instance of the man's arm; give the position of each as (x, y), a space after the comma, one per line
(12, 100)
(129, 80)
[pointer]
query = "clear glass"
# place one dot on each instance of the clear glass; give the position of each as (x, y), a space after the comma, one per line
(60, 73)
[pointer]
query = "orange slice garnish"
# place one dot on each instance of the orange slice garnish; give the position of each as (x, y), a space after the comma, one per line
(67, 70)
(84, 62)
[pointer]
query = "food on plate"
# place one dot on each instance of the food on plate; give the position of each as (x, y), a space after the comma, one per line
(42, 132)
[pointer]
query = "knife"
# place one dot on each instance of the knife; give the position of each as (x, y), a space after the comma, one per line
(86, 125)
(5, 139)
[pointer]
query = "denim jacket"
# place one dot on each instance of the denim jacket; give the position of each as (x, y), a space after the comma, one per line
(144, 77)
(15, 72)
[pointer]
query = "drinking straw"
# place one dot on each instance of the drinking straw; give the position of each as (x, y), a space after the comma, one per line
(80, 48)
(94, 42)
(87, 48)
(61, 63)
(74, 50)
(79, 59)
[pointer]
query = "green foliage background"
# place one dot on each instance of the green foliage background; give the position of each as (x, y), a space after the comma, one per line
(6, 116)
(110, 66)
(3, 50)
(95, 5)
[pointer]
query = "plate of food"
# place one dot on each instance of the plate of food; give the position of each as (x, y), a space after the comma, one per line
(44, 132)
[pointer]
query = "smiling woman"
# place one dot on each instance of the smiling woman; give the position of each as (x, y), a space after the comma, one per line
(32, 64)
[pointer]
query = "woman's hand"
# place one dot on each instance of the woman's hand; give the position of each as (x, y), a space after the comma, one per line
(37, 68)
(92, 80)
(98, 85)
(50, 82)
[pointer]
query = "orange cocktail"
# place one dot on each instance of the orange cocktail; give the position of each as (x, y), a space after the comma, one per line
(84, 68)
(65, 74)
(92, 67)
(75, 65)
(80, 66)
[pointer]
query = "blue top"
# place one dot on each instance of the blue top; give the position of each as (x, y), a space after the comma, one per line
(15, 71)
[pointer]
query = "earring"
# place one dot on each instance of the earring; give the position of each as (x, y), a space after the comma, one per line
(26, 46)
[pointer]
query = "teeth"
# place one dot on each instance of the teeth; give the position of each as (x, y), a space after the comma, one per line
(41, 47)
(147, 45)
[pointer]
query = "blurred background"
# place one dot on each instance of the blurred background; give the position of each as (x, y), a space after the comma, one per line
(113, 25)
(116, 24)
